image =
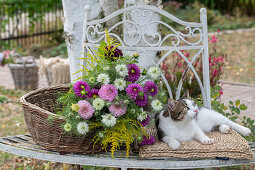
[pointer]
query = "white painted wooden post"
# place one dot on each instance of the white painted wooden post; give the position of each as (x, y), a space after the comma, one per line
(73, 28)
(205, 56)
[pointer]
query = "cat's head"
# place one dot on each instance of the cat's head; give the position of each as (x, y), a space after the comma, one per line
(182, 109)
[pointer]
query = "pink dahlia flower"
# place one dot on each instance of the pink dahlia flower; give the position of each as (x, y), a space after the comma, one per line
(118, 110)
(85, 109)
(108, 92)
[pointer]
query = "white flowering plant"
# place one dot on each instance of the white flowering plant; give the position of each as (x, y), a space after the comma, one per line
(113, 99)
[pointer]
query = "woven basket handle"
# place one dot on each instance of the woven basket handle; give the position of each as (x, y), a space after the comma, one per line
(26, 60)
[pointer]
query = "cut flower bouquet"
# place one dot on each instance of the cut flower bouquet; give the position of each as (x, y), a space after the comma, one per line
(113, 99)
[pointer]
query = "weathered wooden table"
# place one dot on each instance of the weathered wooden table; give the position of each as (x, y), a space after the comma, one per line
(23, 145)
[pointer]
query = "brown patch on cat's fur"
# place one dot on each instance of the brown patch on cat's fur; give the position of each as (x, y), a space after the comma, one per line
(166, 114)
(177, 109)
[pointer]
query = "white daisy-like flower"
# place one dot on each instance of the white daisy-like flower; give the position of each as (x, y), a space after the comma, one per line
(103, 78)
(122, 70)
(67, 127)
(126, 101)
(83, 128)
(109, 120)
(98, 104)
(156, 105)
(142, 116)
(120, 84)
(154, 73)
(106, 68)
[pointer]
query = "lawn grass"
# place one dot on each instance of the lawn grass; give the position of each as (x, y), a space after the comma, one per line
(240, 48)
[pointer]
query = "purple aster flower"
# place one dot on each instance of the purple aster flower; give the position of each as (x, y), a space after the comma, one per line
(133, 90)
(141, 99)
(81, 88)
(117, 53)
(147, 140)
(108, 92)
(133, 73)
(150, 88)
(146, 121)
(93, 93)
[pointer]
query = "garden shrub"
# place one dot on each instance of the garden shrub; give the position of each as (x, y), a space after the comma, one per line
(216, 19)
(225, 6)
(174, 69)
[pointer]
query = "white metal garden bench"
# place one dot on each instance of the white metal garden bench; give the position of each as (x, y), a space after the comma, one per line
(135, 39)
(138, 31)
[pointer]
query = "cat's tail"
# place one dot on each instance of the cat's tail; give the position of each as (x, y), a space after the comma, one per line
(239, 128)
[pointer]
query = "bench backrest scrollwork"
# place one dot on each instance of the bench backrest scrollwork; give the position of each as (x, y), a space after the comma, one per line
(138, 31)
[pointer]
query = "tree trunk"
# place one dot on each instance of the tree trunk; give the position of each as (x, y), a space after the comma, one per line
(73, 24)
(147, 58)
(108, 7)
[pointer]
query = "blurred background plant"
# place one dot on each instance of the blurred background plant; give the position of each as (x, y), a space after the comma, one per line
(174, 68)
(6, 57)
(217, 18)
(225, 6)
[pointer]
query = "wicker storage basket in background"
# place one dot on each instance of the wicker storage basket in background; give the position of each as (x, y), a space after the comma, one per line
(38, 105)
(25, 73)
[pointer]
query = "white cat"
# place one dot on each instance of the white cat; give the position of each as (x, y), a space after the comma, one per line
(184, 121)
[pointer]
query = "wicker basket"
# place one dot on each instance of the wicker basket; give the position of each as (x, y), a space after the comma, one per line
(25, 73)
(37, 106)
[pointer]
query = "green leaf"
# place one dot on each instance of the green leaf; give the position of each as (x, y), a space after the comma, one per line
(237, 102)
(225, 108)
(217, 88)
(243, 107)
(231, 103)
(237, 110)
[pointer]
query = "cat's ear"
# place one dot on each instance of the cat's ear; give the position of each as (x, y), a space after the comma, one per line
(171, 104)
(185, 94)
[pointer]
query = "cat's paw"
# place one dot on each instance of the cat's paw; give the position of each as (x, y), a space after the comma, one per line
(174, 144)
(245, 131)
(224, 128)
(207, 141)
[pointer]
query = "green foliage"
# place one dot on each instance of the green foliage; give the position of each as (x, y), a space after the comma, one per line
(175, 71)
(60, 50)
(3, 99)
(226, 6)
(215, 18)
(10, 92)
